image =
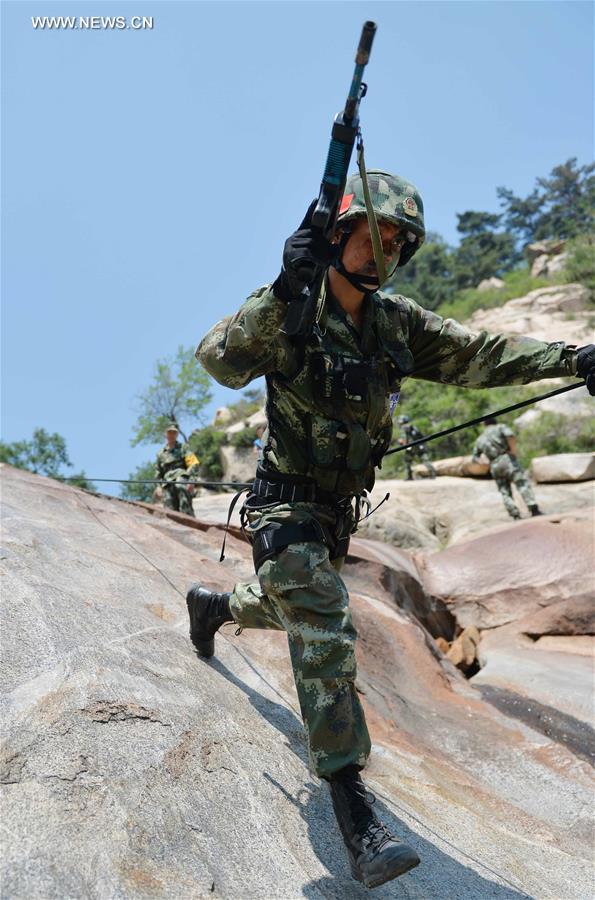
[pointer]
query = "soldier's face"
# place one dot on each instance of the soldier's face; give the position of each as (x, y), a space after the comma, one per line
(171, 437)
(358, 255)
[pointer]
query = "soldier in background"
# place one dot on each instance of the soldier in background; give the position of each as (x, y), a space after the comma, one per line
(410, 433)
(498, 444)
(175, 464)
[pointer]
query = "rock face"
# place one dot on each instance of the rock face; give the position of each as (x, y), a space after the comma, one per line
(132, 769)
(543, 248)
(490, 284)
(546, 266)
(557, 313)
(222, 417)
(430, 514)
(546, 656)
(563, 467)
(239, 463)
(254, 421)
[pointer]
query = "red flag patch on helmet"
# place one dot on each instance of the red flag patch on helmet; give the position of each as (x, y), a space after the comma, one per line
(345, 203)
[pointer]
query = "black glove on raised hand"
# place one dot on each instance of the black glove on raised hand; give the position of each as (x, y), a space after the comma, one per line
(306, 254)
(585, 366)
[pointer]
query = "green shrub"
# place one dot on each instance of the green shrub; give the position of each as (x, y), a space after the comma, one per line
(244, 438)
(554, 433)
(205, 443)
(144, 492)
(517, 283)
(580, 265)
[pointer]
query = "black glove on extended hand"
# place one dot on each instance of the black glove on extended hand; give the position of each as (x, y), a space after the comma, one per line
(585, 366)
(306, 254)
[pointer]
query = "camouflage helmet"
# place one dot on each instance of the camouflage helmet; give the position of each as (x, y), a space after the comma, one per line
(394, 199)
(402, 420)
(172, 427)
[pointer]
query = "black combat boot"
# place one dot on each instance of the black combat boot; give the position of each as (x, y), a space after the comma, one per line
(208, 611)
(374, 854)
(535, 510)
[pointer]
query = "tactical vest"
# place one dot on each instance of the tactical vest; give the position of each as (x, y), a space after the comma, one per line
(344, 424)
(169, 460)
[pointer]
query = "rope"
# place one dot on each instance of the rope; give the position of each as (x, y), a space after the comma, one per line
(233, 484)
(422, 440)
(479, 419)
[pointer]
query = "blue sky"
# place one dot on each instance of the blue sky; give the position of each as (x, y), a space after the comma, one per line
(150, 177)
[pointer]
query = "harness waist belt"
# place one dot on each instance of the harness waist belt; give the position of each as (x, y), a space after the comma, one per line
(292, 489)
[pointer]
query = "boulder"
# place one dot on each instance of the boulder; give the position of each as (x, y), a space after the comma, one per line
(255, 420)
(557, 313)
(543, 248)
(463, 650)
(239, 463)
(490, 284)
(569, 617)
(457, 467)
(556, 264)
(539, 267)
(545, 266)
(563, 467)
(501, 577)
(223, 417)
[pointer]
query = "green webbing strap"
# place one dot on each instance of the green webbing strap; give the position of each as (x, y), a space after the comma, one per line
(320, 303)
(372, 221)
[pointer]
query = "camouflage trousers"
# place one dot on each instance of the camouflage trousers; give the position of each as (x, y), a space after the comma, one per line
(176, 496)
(506, 471)
(412, 459)
(301, 592)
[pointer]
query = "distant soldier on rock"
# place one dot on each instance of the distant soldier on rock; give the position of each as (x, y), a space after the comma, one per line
(498, 444)
(408, 434)
(176, 465)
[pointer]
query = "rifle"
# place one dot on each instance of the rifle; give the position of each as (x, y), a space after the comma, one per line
(301, 312)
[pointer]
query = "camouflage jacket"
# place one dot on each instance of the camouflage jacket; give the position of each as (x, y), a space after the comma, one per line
(328, 400)
(171, 460)
(493, 442)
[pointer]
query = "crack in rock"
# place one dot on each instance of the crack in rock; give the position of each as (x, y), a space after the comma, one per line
(106, 711)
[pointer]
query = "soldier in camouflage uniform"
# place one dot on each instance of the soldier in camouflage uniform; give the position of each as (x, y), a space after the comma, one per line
(176, 466)
(499, 445)
(410, 433)
(329, 408)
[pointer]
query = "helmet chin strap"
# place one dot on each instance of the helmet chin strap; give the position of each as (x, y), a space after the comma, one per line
(363, 283)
